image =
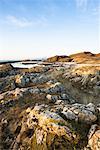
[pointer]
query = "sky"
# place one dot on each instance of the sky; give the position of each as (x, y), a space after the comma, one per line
(42, 28)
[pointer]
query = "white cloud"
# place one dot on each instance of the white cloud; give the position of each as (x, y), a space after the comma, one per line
(82, 3)
(23, 22)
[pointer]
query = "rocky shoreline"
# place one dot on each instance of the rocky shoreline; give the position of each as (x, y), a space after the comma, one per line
(52, 106)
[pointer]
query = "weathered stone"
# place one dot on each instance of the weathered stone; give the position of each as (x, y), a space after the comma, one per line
(94, 138)
(20, 81)
(80, 112)
(34, 90)
(58, 102)
(40, 109)
(91, 107)
(94, 80)
(52, 98)
(69, 115)
(39, 125)
(1, 96)
(98, 83)
(5, 69)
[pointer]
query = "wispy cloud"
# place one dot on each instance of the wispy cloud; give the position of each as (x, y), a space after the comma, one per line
(82, 4)
(23, 22)
(96, 11)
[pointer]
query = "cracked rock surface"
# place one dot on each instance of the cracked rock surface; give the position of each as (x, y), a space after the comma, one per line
(53, 106)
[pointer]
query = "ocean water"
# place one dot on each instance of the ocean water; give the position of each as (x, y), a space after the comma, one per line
(21, 65)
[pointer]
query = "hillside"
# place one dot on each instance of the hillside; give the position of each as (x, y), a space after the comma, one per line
(84, 57)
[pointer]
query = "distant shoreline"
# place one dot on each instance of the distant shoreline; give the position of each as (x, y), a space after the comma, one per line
(15, 61)
(9, 61)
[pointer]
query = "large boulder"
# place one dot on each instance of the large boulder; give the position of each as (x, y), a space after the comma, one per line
(42, 129)
(80, 113)
(5, 69)
(21, 80)
(48, 127)
(94, 137)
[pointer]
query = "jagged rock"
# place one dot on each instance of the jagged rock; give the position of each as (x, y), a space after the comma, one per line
(32, 76)
(52, 98)
(5, 69)
(98, 83)
(39, 69)
(67, 98)
(7, 84)
(21, 80)
(10, 97)
(94, 137)
(34, 90)
(70, 115)
(80, 112)
(77, 79)
(39, 80)
(94, 80)
(55, 88)
(40, 128)
(91, 107)
(58, 102)
(39, 109)
(20, 92)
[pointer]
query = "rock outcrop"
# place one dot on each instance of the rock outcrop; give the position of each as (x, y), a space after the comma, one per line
(94, 137)
(80, 113)
(53, 127)
(84, 57)
(59, 59)
(53, 106)
(5, 69)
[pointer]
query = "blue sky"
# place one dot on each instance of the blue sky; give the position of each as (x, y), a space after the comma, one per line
(42, 28)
